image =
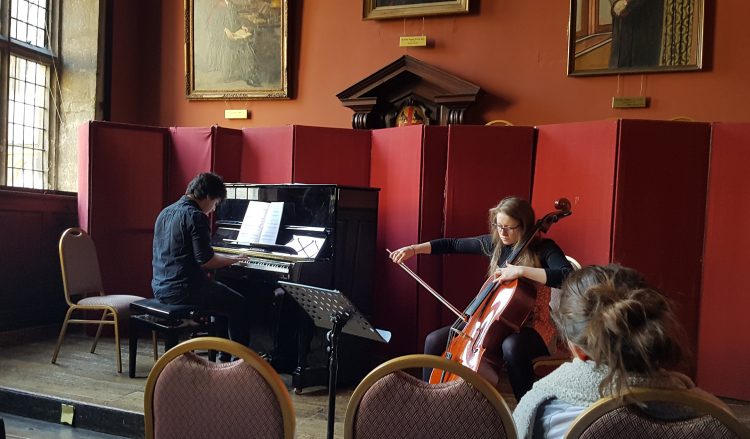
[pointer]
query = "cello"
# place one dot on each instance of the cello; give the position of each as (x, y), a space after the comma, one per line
(498, 310)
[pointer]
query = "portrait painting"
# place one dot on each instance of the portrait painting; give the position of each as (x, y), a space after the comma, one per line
(384, 9)
(634, 36)
(236, 49)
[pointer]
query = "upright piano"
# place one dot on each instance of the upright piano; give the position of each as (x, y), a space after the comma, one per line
(321, 235)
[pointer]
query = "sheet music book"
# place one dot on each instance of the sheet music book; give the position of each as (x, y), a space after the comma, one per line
(261, 223)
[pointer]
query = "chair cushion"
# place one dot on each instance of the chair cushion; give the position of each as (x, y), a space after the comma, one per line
(120, 302)
(399, 405)
(196, 398)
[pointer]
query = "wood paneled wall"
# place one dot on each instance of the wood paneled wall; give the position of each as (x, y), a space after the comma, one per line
(31, 291)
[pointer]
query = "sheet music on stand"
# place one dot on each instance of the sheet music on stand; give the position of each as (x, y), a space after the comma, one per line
(332, 310)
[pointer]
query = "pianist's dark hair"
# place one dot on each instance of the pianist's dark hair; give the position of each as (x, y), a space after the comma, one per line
(206, 185)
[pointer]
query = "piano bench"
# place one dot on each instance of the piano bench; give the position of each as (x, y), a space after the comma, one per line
(169, 320)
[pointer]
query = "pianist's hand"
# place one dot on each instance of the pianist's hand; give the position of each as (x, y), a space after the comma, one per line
(220, 260)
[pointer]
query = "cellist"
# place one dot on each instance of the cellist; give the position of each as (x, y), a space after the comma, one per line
(543, 261)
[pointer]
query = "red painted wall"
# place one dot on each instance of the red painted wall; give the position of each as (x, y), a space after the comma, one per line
(516, 51)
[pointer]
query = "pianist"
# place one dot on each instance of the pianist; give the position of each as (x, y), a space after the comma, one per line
(182, 252)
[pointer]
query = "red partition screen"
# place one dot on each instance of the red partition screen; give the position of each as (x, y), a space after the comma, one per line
(189, 155)
(122, 181)
(485, 164)
(408, 165)
(638, 192)
(723, 357)
(331, 156)
(267, 155)
(577, 161)
(226, 152)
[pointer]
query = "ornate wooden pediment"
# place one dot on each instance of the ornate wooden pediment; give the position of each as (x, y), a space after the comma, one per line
(377, 99)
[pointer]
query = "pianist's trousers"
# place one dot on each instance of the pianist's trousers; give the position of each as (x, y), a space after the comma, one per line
(518, 349)
(217, 296)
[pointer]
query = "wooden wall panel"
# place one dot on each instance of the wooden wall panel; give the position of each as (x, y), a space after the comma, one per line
(723, 358)
(31, 293)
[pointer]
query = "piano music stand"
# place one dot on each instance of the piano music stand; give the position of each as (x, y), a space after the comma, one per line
(329, 309)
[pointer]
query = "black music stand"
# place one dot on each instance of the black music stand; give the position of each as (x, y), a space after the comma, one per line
(329, 309)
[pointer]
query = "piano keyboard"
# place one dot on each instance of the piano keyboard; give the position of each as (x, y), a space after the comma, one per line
(267, 265)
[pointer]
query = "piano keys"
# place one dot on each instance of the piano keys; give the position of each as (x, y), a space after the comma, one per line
(324, 236)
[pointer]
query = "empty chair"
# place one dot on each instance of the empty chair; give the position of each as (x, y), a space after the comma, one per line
(392, 403)
(189, 396)
(500, 122)
(82, 283)
(668, 414)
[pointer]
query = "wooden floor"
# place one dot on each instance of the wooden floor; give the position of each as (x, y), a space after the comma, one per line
(92, 379)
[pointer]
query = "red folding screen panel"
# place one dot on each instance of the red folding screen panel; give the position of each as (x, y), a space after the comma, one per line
(194, 150)
(189, 155)
(638, 192)
(408, 165)
(577, 161)
(485, 164)
(267, 155)
(304, 154)
(121, 181)
(723, 357)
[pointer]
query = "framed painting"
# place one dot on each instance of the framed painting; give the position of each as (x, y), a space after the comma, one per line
(633, 36)
(381, 9)
(236, 49)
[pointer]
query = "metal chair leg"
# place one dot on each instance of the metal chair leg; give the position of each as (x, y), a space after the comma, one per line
(99, 331)
(117, 342)
(62, 335)
(156, 345)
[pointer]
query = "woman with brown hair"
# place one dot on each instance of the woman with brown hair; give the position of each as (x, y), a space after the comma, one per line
(622, 334)
(542, 261)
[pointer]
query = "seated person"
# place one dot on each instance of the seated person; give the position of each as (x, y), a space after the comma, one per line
(622, 334)
(182, 253)
(542, 261)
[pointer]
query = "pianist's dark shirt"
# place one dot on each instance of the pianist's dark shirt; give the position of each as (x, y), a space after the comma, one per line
(182, 243)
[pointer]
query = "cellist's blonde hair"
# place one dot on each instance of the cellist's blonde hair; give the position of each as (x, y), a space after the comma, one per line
(521, 211)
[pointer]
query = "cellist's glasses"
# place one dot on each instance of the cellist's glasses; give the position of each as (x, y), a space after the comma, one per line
(506, 229)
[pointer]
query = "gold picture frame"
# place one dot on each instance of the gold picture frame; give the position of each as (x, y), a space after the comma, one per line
(236, 50)
(607, 37)
(384, 9)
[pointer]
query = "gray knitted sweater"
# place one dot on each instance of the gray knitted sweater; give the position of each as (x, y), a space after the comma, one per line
(577, 383)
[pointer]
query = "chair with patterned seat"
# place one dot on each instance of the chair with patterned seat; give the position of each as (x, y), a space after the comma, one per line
(84, 292)
(189, 396)
(392, 403)
(658, 413)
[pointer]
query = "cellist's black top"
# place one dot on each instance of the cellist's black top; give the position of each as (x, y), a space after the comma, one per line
(550, 255)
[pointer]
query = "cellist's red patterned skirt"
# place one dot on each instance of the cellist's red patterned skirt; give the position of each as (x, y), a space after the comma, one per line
(541, 320)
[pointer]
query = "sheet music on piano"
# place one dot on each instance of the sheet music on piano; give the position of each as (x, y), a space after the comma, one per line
(261, 223)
